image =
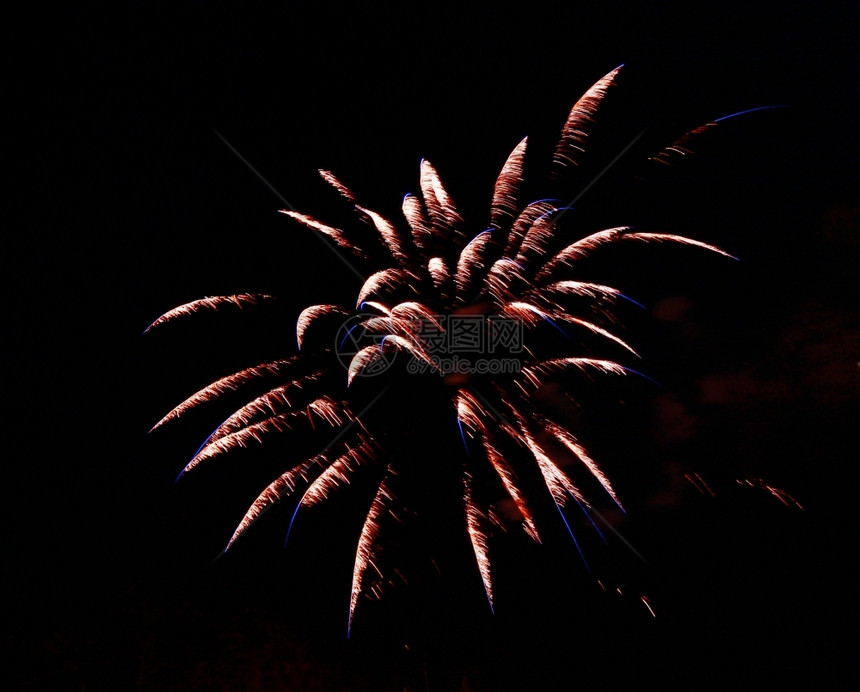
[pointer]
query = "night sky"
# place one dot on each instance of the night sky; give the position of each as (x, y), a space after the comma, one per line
(133, 135)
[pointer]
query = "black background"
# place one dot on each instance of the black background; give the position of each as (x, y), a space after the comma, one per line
(130, 204)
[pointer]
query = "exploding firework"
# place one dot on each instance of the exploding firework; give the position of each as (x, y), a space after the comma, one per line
(463, 309)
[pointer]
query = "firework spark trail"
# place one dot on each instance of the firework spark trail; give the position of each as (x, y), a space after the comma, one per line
(277, 490)
(508, 479)
(532, 316)
(393, 277)
(523, 222)
(578, 450)
(475, 522)
(361, 448)
(504, 204)
(225, 384)
(778, 493)
(517, 269)
(558, 484)
(310, 314)
(364, 551)
(512, 431)
(337, 474)
(419, 224)
(682, 146)
(536, 374)
(443, 215)
(387, 232)
(342, 189)
(537, 238)
(208, 303)
(270, 402)
(221, 442)
(337, 235)
(471, 259)
(575, 131)
(470, 414)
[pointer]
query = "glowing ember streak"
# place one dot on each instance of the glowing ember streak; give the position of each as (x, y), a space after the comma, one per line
(364, 552)
(504, 202)
(470, 412)
(575, 129)
(533, 315)
(438, 272)
(278, 489)
(225, 384)
(309, 315)
(537, 237)
(342, 189)
(699, 484)
(647, 603)
(416, 217)
(535, 372)
(324, 408)
(778, 493)
(441, 210)
(384, 278)
(335, 234)
(475, 521)
(573, 445)
(409, 315)
(387, 232)
(270, 402)
(338, 473)
(524, 221)
(471, 260)
(241, 438)
(582, 288)
(210, 303)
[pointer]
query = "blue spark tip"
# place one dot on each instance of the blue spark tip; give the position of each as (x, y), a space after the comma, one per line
(635, 302)
(643, 375)
(749, 110)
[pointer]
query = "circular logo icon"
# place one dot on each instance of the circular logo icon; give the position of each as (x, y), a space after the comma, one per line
(352, 337)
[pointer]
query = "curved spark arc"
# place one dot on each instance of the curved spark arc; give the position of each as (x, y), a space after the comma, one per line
(575, 130)
(387, 232)
(393, 277)
(281, 487)
(342, 189)
(270, 403)
(478, 537)
(428, 274)
(310, 315)
(336, 234)
(504, 204)
(471, 414)
(225, 384)
(208, 303)
(221, 441)
(369, 535)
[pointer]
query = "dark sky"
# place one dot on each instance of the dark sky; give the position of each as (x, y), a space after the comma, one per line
(132, 203)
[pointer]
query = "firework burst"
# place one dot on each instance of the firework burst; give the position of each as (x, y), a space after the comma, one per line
(460, 307)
